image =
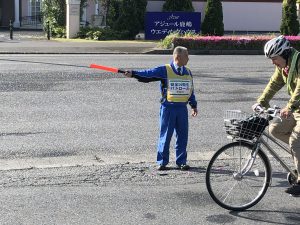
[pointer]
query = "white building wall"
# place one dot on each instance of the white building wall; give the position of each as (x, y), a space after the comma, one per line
(199, 7)
(237, 16)
(25, 7)
(240, 16)
(90, 10)
(251, 16)
(156, 6)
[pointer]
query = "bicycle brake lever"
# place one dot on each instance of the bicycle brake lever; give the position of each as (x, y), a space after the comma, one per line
(273, 112)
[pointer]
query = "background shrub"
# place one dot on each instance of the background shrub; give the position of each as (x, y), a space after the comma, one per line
(131, 17)
(101, 34)
(289, 23)
(59, 31)
(167, 42)
(178, 5)
(213, 20)
(113, 12)
(54, 11)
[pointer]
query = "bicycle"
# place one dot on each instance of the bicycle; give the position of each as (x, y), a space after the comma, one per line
(239, 173)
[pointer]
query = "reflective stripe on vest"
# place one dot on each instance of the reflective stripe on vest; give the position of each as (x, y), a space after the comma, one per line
(179, 88)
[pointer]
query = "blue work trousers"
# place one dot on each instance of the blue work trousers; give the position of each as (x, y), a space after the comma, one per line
(173, 117)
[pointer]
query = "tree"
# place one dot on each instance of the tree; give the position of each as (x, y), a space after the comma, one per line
(112, 11)
(213, 20)
(178, 5)
(54, 11)
(142, 4)
(131, 17)
(289, 23)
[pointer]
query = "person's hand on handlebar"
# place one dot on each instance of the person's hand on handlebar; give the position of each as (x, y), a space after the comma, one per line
(257, 107)
(285, 113)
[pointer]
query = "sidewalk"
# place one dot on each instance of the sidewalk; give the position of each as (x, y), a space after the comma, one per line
(35, 42)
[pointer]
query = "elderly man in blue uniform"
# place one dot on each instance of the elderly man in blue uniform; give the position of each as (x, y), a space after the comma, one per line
(177, 90)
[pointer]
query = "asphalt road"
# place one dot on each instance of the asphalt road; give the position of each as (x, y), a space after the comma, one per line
(89, 140)
(57, 106)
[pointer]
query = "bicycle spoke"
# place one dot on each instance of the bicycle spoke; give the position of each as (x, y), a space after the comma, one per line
(245, 185)
(228, 192)
(224, 186)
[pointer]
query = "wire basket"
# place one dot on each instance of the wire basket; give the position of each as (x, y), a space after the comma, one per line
(239, 124)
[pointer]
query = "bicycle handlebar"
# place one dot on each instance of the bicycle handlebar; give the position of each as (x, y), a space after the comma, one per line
(272, 112)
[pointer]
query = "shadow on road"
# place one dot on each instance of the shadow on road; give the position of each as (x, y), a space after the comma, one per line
(292, 217)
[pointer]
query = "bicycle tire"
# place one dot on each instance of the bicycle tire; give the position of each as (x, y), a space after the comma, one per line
(234, 192)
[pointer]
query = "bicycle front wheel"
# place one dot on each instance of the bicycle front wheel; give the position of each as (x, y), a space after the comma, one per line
(231, 185)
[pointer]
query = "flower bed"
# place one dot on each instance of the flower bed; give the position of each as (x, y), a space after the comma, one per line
(229, 42)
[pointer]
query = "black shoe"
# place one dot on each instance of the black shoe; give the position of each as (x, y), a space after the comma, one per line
(162, 167)
(294, 190)
(184, 167)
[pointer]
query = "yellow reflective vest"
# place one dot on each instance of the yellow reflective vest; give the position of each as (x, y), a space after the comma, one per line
(179, 87)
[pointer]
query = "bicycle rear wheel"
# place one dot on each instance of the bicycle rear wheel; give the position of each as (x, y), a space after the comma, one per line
(226, 183)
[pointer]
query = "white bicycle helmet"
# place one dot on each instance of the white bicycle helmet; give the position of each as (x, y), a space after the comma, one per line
(276, 46)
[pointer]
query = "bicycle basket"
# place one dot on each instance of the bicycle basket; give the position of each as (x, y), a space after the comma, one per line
(242, 125)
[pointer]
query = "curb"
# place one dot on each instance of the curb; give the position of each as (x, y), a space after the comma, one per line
(226, 52)
(96, 160)
(88, 160)
(210, 52)
(151, 52)
(159, 51)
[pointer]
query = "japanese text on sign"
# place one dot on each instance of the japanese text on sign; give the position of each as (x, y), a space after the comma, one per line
(179, 87)
(160, 24)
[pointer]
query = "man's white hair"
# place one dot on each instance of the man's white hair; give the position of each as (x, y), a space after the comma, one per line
(179, 50)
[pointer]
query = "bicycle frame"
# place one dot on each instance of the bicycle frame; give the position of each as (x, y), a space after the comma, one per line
(273, 153)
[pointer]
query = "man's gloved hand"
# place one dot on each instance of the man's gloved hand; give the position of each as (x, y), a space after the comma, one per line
(128, 73)
(257, 107)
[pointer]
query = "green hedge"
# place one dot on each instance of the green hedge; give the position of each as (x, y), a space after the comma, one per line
(229, 42)
(102, 34)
